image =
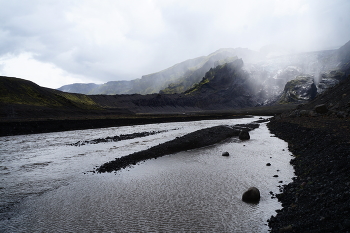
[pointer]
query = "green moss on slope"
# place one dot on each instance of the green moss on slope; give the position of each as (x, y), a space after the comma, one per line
(24, 92)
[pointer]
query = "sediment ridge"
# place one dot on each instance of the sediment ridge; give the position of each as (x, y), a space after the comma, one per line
(197, 139)
(116, 138)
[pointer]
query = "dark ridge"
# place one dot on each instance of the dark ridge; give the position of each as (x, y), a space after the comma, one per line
(197, 139)
(117, 138)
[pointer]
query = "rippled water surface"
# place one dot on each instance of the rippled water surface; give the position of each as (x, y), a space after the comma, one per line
(46, 186)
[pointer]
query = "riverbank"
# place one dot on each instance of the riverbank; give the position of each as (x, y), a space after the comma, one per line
(318, 199)
(57, 125)
(56, 121)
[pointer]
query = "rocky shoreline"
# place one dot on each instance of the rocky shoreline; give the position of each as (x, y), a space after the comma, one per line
(197, 139)
(318, 199)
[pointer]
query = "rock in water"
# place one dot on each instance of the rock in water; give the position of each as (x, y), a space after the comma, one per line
(244, 135)
(252, 195)
(225, 154)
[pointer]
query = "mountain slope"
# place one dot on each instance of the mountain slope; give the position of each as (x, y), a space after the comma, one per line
(305, 88)
(21, 98)
(300, 89)
(226, 86)
(23, 92)
(175, 79)
(194, 76)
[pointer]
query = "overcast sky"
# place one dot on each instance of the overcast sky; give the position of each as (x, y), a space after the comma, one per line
(58, 42)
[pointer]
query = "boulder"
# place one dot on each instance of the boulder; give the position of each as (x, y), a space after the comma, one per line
(294, 114)
(288, 228)
(341, 114)
(225, 153)
(252, 195)
(244, 135)
(312, 114)
(321, 108)
(300, 89)
(304, 113)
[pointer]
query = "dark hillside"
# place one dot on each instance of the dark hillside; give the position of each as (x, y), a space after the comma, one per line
(337, 97)
(226, 86)
(344, 58)
(175, 79)
(192, 77)
(20, 91)
(22, 99)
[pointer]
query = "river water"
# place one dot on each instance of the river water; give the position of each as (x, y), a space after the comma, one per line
(46, 185)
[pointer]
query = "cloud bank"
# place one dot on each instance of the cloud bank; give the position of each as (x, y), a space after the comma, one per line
(54, 43)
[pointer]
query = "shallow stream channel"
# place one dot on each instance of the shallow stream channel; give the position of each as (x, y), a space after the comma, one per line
(47, 184)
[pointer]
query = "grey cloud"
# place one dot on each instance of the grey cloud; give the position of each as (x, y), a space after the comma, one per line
(183, 31)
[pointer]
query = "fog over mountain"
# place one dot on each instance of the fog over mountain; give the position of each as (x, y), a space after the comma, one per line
(55, 43)
(267, 75)
(277, 83)
(182, 75)
(231, 83)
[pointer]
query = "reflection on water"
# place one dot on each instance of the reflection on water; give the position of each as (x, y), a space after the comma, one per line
(197, 190)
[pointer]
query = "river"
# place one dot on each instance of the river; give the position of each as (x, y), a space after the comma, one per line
(47, 185)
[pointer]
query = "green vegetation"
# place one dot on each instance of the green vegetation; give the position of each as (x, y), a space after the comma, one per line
(79, 100)
(197, 86)
(194, 75)
(23, 92)
(296, 90)
(209, 76)
(19, 91)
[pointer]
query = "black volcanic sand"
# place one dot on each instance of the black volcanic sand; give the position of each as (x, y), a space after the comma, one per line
(52, 120)
(25, 126)
(197, 139)
(318, 199)
(8, 128)
(116, 138)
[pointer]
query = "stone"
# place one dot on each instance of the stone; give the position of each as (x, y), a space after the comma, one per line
(321, 108)
(294, 114)
(244, 135)
(346, 224)
(304, 113)
(312, 114)
(225, 153)
(252, 195)
(341, 114)
(286, 229)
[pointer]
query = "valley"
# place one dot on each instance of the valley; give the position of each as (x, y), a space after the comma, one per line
(309, 102)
